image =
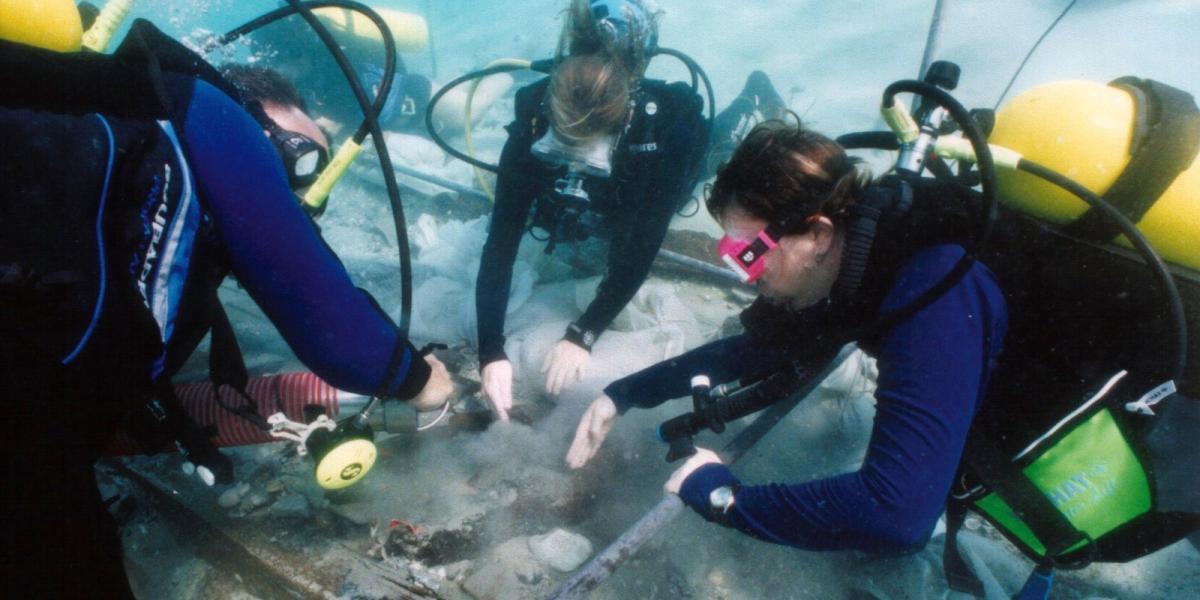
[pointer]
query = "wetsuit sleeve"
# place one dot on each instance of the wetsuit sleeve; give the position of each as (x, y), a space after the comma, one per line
(933, 371)
(276, 254)
(515, 191)
(631, 254)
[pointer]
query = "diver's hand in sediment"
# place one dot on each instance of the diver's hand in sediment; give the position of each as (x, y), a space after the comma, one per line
(497, 387)
(699, 459)
(437, 390)
(564, 365)
(597, 421)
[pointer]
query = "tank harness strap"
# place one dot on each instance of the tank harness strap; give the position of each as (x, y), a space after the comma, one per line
(1165, 142)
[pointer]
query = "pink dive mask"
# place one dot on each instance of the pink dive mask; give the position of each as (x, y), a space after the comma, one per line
(745, 258)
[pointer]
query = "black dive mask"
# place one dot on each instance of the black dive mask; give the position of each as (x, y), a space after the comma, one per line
(303, 158)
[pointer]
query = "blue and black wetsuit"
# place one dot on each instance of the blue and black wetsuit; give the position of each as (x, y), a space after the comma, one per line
(934, 369)
(114, 233)
(653, 171)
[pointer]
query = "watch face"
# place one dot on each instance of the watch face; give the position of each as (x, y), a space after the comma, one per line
(721, 497)
(589, 338)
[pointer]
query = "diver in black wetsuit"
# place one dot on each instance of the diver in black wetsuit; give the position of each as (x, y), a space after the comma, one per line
(120, 213)
(596, 149)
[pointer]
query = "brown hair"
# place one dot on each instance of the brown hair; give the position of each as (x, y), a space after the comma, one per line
(588, 96)
(786, 172)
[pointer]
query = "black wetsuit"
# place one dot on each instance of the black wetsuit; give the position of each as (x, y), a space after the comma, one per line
(654, 168)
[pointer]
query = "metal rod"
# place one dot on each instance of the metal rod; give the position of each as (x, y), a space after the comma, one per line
(591, 575)
(934, 41)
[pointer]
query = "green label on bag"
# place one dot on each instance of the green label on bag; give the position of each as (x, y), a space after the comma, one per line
(1091, 475)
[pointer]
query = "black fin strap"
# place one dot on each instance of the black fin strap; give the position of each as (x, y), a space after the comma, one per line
(1165, 142)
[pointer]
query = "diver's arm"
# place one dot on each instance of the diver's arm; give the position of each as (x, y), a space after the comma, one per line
(684, 140)
(933, 373)
(333, 327)
(515, 190)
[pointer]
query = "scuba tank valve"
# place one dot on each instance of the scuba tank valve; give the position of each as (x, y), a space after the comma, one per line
(930, 116)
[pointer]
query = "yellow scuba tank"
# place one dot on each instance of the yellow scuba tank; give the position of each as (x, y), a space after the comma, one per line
(1133, 141)
(410, 31)
(50, 24)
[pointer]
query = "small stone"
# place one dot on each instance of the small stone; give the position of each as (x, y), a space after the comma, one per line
(274, 486)
(232, 496)
(562, 550)
(291, 506)
(257, 499)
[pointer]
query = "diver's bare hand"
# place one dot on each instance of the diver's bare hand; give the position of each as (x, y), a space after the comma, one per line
(597, 421)
(497, 387)
(564, 365)
(437, 390)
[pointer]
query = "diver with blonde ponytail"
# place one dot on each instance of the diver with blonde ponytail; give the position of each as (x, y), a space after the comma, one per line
(624, 154)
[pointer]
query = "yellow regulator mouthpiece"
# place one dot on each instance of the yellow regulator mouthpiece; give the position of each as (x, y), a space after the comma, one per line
(318, 193)
(345, 464)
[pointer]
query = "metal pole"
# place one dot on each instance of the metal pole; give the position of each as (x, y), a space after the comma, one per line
(591, 575)
(934, 41)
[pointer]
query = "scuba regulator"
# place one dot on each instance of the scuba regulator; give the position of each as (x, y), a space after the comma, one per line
(563, 213)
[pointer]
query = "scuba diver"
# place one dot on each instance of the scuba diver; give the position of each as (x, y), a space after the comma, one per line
(967, 380)
(596, 154)
(133, 184)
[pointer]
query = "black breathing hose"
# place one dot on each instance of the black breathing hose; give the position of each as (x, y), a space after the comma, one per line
(370, 126)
